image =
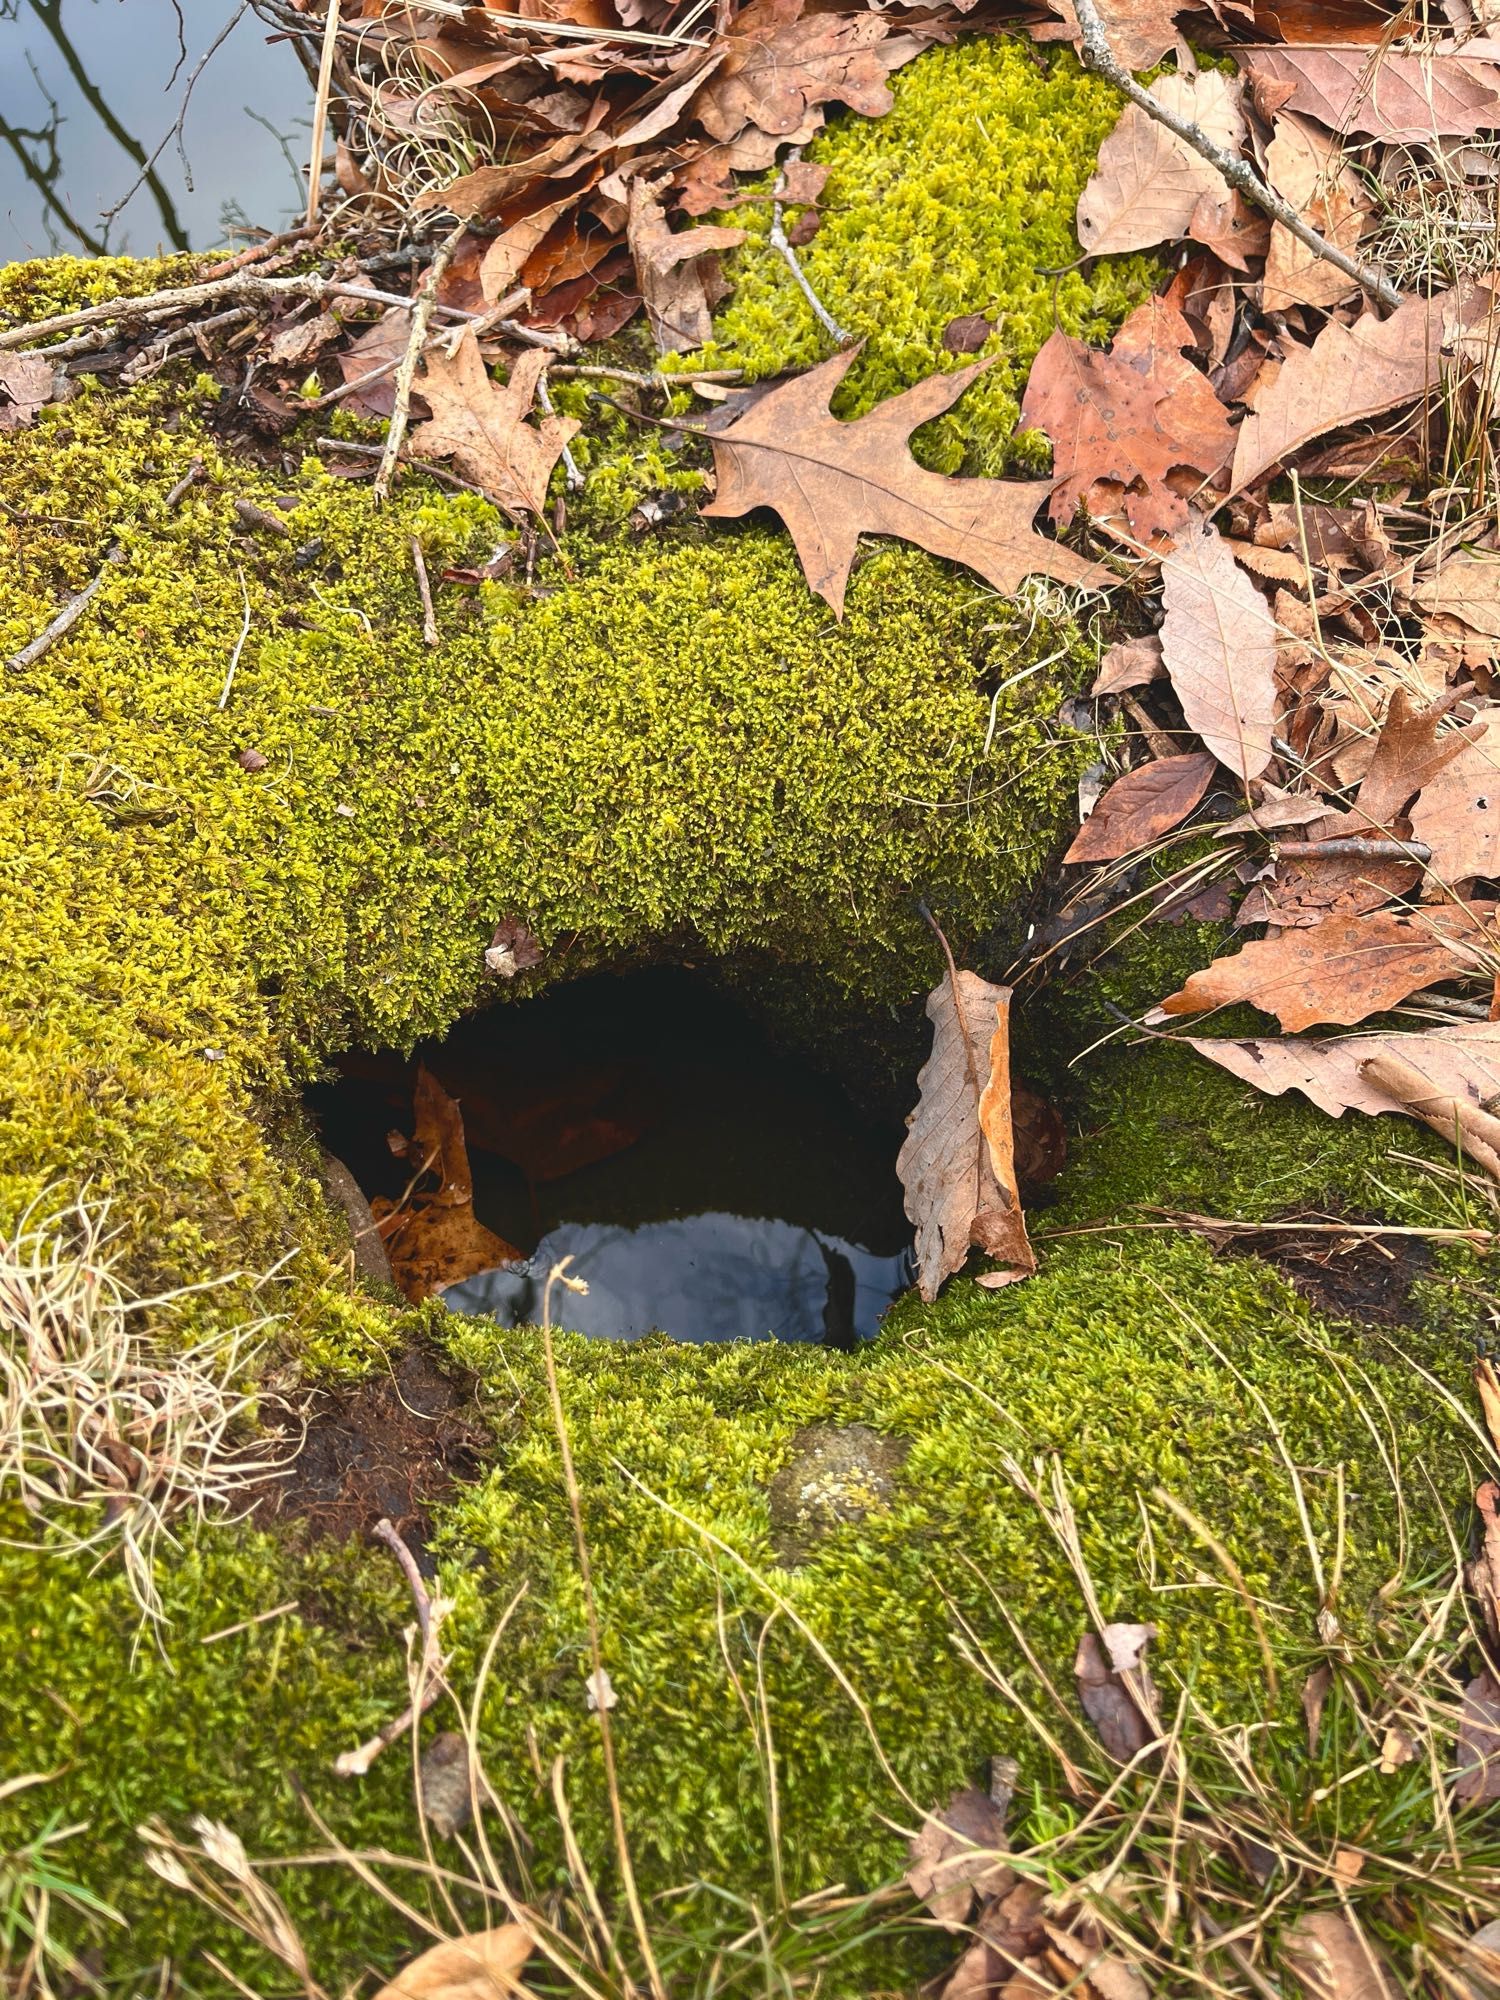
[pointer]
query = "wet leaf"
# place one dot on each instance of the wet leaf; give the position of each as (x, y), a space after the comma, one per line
(435, 1238)
(1349, 373)
(1115, 1688)
(486, 1966)
(1148, 182)
(956, 1857)
(1219, 648)
(1346, 968)
(958, 1160)
(483, 429)
(1144, 804)
(831, 482)
(1135, 428)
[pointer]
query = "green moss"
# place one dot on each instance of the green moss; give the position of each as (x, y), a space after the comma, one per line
(53, 285)
(960, 200)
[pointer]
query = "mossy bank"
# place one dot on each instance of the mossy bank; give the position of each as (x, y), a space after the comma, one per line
(663, 748)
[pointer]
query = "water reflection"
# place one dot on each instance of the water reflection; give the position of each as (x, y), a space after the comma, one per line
(701, 1278)
(92, 158)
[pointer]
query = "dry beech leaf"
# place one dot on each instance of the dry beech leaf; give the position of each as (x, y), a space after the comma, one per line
(1458, 813)
(1377, 94)
(1461, 1062)
(1348, 374)
(957, 1856)
(1345, 968)
(486, 1966)
(1129, 663)
(1128, 419)
(1219, 648)
(677, 270)
(1479, 1742)
(1333, 1960)
(1305, 165)
(831, 482)
(1140, 32)
(957, 1162)
(1467, 587)
(1142, 806)
(1148, 182)
(1115, 1688)
(483, 427)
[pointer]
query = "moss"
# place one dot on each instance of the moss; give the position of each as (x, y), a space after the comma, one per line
(53, 285)
(960, 200)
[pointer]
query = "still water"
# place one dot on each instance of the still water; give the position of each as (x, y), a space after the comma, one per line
(90, 95)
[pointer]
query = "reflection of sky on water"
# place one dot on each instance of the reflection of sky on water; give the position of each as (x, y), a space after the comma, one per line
(88, 92)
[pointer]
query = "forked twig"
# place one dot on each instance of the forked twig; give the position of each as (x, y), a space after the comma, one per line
(1096, 54)
(406, 374)
(781, 243)
(429, 1677)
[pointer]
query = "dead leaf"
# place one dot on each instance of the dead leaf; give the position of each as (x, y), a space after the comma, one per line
(446, 1783)
(28, 382)
(1478, 1778)
(1219, 648)
(956, 1857)
(1411, 754)
(781, 64)
(1144, 804)
(1147, 181)
(1140, 32)
(486, 1966)
(968, 333)
(1314, 1695)
(296, 345)
(1488, 1385)
(677, 269)
(512, 948)
(1396, 1751)
(1106, 1972)
(1129, 663)
(1462, 1061)
(1482, 1574)
(1344, 969)
(435, 1238)
(380, 346)
(1467, 587)
(1116, 1689)
(1306, 166)
(1376, 93)
(831, 482)
(957, 1163)
(483, 427)
(1131, 426)
(1331, 1959)
(1458, 812)
(1348, 374)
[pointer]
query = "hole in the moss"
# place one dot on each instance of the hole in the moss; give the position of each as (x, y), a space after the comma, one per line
(706, 1183)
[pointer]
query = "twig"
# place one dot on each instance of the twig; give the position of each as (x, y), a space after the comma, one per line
(496, 316)
(782, 243)
(430, 634)
(1096, 54)
(66, 619)
(437, 472)
(320, 110)
(239, 644)
(1361, 850)
(147, 171)
(140, 367)
(251, 284)
(406, 374)
(655, 380)
(1218, 1225)
(571, 473)
(355, 1763)
(184, 485)
(255, 253)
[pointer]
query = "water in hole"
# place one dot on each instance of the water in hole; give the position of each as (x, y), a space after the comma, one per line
(91, 89)
(705, 1183)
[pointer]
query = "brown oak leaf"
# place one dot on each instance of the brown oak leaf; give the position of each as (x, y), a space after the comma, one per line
(1131, 425)
(831, 482)
(677, 270)
(780, 64)
(1462, 1062)
(483, 427)
(1142, 806)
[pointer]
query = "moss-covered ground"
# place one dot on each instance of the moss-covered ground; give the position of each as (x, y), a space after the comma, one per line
(667, 749)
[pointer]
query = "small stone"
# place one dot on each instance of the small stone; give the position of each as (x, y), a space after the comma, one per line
(836, 1474)
(251, 760)
(601, 1691)
(446, 1793)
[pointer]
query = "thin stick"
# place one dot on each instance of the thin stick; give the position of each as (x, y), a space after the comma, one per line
(1096, 54)
(655, 380)
(320, 111)
(355, 1763)
(252, 284)
(571, 474)
(1214, 1225)
(782, 243)
(184, 485)
(256, 253)
(1362, 850)
(66, 619)
(430, 634)
(421, 464)
(239, 644)
(406, 374)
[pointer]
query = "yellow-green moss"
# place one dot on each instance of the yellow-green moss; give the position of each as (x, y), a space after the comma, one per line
(958, 201)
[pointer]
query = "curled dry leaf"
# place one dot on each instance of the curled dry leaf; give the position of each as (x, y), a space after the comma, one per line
(483, 427)
(957, 1163)
(1346, 968)
(1375, 93)
(958, 1855)
(677, 270)
(1104, 1971)
(1348, 374)
(1462, 1061)
(1129, 663)
(1148, 182)
(1138, 427)
(1219, 648)
(1475, 1132)
(1144, 804)
(1314, 1697)
(1482, 1574)
(1116, 1690)
(831, 482)
(1466, 587)
(486, 1966)
(1331, 1958)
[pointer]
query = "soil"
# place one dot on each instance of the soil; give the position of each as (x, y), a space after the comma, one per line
(1348, 1277)
(390, 1447)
